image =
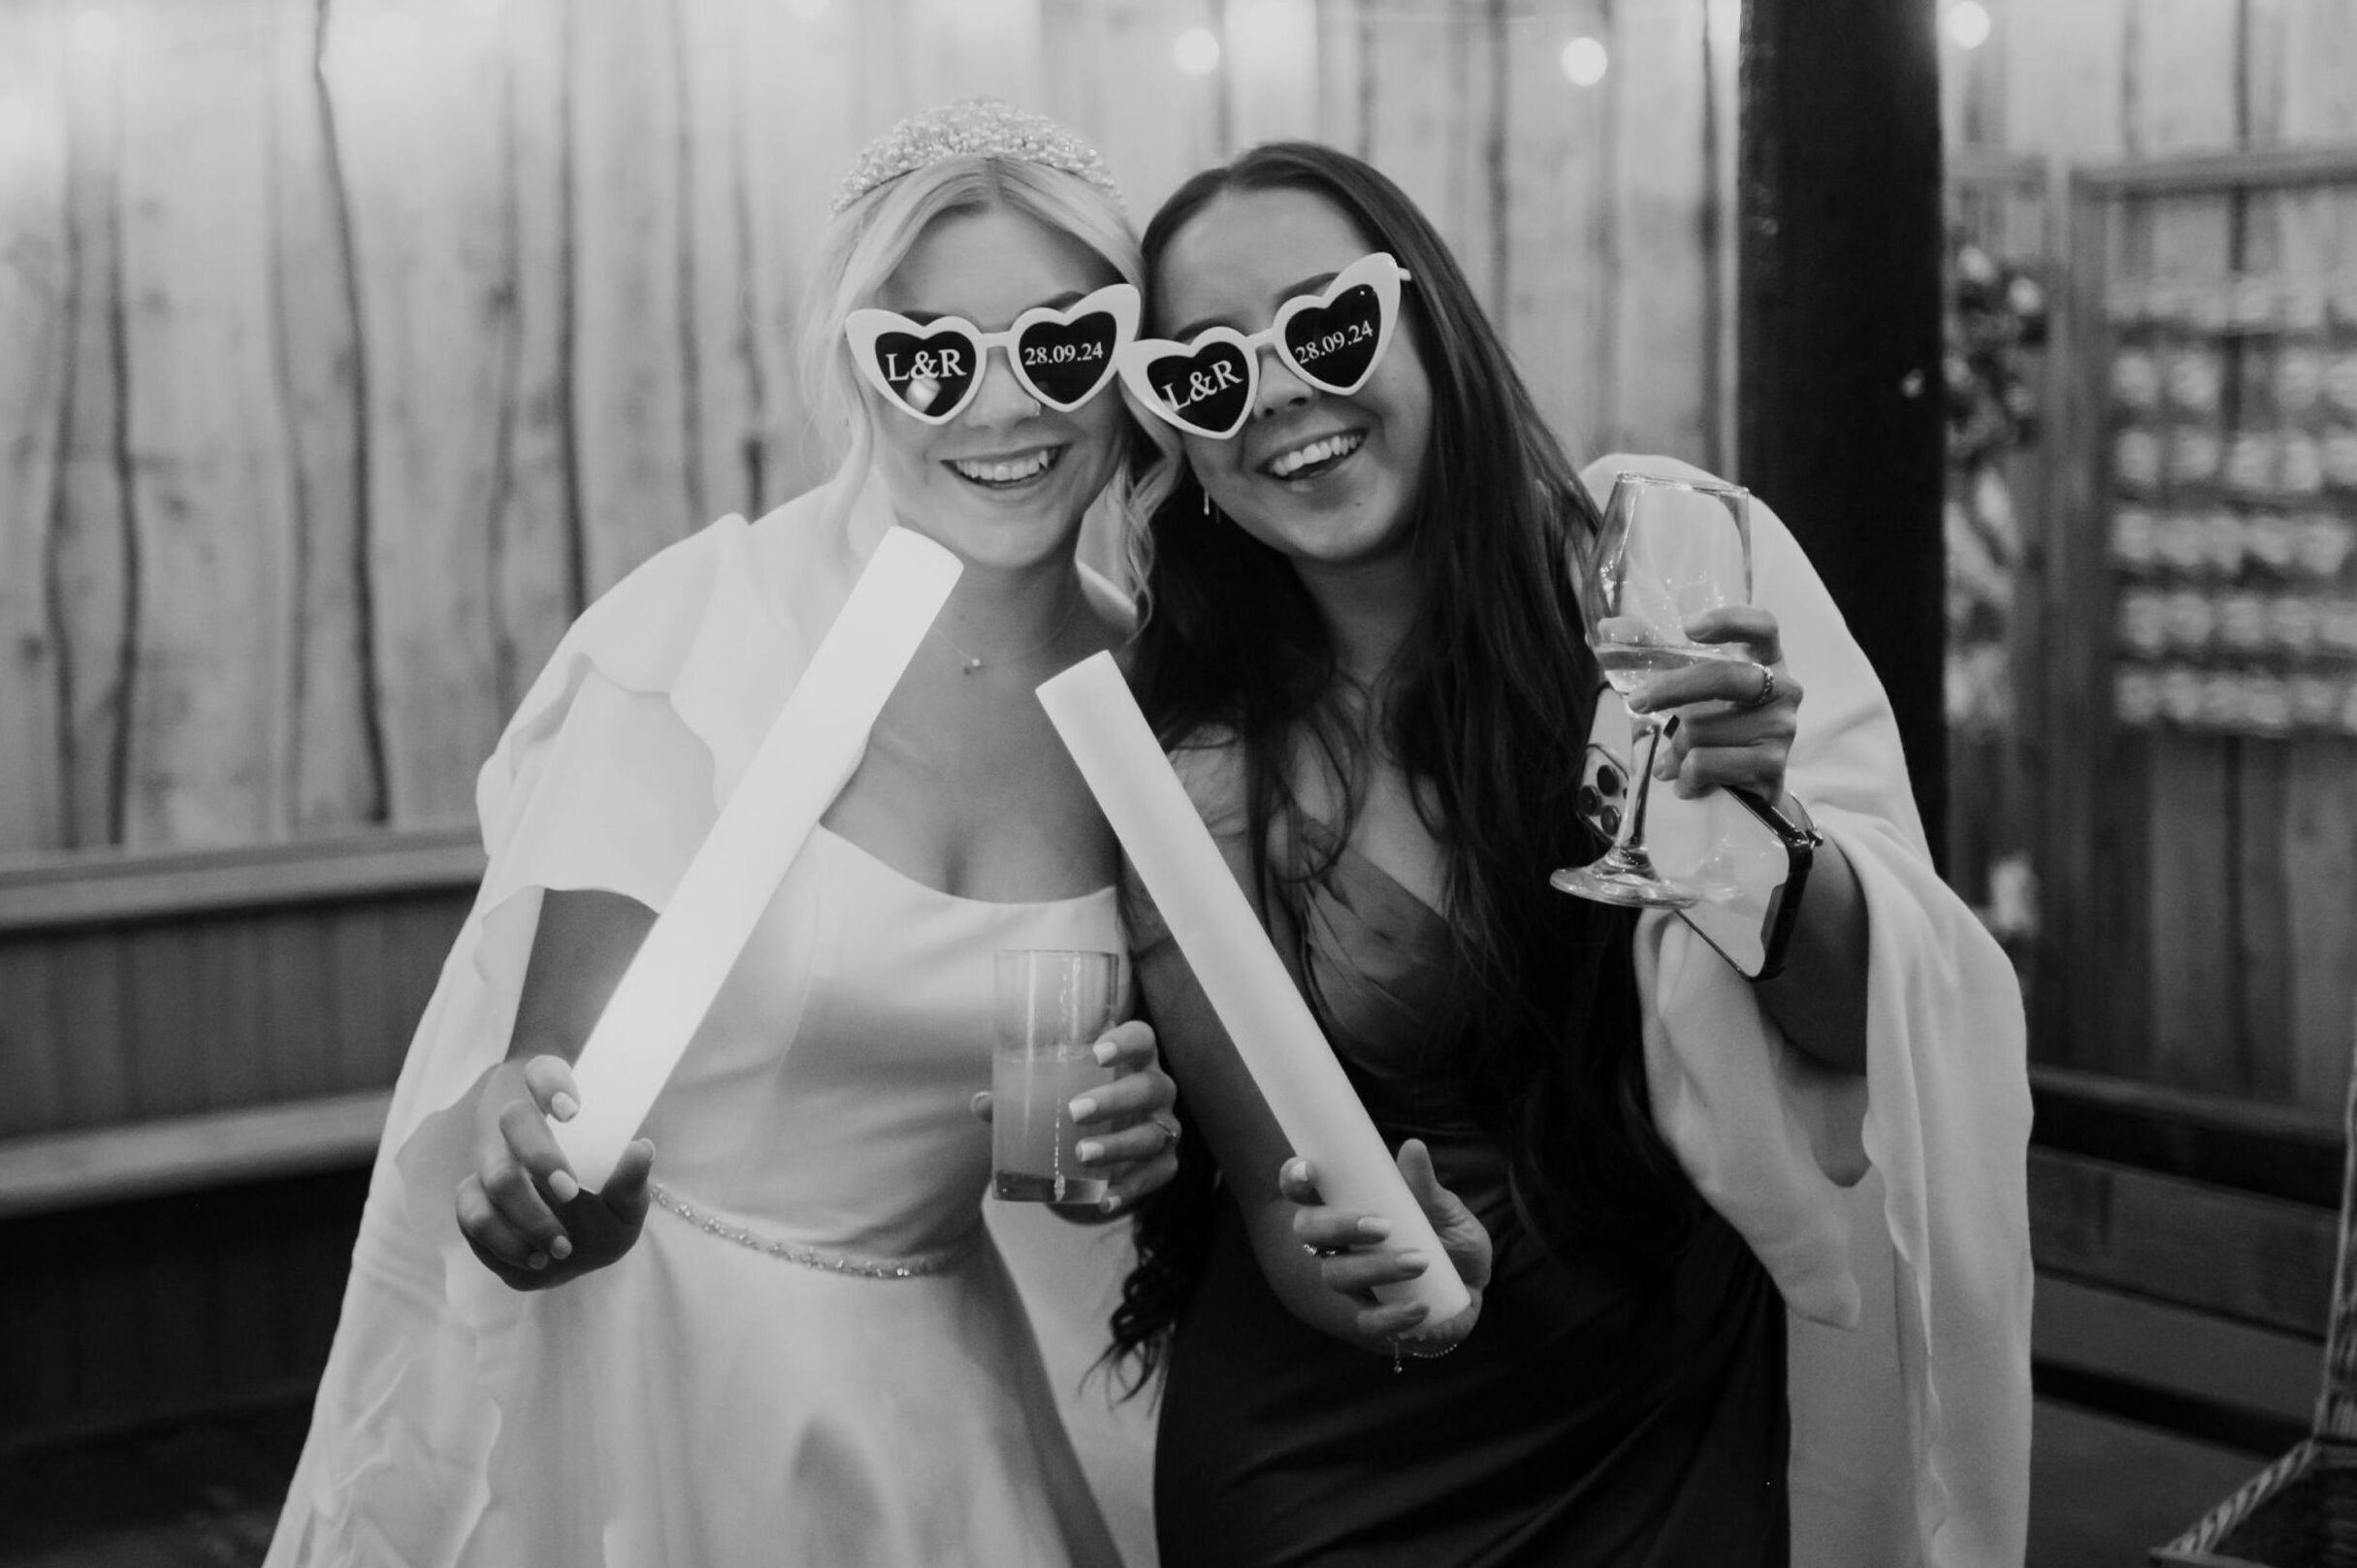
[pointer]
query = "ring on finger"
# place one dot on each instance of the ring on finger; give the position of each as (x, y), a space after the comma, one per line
(1768, 689)
(1321, 1253)
(1168, 1125)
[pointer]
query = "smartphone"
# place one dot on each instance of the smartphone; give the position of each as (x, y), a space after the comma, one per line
(1746, 860)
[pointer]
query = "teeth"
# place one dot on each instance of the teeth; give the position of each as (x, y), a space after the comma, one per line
(1006, 471)
(1332, 447)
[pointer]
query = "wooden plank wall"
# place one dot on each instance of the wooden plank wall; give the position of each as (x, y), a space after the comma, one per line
(2201, 891)
(151, 986)
(219, 979)
(347, 347)
(121, 1024)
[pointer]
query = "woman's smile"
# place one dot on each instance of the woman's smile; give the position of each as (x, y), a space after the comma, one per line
(1315, 456)
(1319, 476)
(1009, 471)
(1004, 483)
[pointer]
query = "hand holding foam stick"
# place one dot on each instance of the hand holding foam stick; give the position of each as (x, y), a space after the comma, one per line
(811, 749)
(1245, 981)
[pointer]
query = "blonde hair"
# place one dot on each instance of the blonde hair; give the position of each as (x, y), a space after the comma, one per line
(870, 239)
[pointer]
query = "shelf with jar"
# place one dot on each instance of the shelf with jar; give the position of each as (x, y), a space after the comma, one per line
(2197, 656)
(2231, 534)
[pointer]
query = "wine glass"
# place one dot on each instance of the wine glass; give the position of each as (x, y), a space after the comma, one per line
(1671, 548)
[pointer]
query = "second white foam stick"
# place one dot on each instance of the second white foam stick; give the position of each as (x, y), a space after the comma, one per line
(809, 753)
(1272, 1029)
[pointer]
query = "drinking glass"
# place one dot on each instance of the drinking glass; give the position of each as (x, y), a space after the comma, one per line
(1671, 548)
(1053, 1009)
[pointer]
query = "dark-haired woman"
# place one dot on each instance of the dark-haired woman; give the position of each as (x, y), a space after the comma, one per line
(1365, 654)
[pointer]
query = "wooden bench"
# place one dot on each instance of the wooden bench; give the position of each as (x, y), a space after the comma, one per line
(179, 1036)
(45, 903)
(2184, 1243)
(53, 1172)
(2185, 1247)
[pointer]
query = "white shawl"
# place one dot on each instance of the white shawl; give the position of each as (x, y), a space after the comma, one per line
(1893, 1211)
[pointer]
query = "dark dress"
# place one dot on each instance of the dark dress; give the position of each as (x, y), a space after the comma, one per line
(1586, 1420)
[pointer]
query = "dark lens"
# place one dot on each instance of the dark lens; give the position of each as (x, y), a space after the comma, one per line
(928, 371)
(1067, 361)
(1206, 389)
(1335, 345)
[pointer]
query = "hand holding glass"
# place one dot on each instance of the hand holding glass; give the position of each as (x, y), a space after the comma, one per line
(1053, 1009)
(1671, 549)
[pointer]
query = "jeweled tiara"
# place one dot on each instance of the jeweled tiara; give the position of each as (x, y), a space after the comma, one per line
(972, 127)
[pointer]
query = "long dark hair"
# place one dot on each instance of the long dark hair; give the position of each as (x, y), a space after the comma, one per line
(1488, 708)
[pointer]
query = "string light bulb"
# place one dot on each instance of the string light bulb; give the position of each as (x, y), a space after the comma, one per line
(1968, 25)
(1585, 62)
(1197, 52)
(96, 30)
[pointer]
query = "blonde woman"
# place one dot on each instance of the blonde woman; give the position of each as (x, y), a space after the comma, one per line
(784, 1338)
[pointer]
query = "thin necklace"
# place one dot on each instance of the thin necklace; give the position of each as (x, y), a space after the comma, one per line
(968, 663)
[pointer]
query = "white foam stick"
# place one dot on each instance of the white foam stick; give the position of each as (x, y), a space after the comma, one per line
(811, 749)
(1272, 1027)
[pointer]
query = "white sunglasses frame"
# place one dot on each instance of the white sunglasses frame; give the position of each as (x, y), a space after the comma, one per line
(861, 327)
(1377, 269)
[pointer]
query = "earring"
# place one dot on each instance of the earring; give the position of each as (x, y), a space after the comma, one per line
(1206, 503)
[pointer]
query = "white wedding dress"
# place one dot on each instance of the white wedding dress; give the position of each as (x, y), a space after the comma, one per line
(814, 1355)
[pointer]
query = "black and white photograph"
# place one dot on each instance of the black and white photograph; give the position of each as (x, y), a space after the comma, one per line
(1177, 784)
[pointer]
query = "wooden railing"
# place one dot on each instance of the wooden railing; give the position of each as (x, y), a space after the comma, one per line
(54, 1173)
(195, 1052)
(2184, 1245)
(139, 988)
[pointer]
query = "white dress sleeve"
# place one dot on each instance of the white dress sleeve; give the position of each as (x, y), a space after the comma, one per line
(608, 777)
(1892, 1209)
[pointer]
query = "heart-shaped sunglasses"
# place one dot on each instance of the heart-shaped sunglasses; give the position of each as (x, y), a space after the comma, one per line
(1331, 339)
(931, 369)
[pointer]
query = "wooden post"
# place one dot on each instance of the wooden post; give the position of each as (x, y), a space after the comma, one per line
(1839, 407)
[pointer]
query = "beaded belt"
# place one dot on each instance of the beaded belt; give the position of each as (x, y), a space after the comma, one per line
(818, 1258)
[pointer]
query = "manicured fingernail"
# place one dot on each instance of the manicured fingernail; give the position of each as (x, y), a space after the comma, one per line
(561, 1248)
(1110, 1204)
(1374, 1227)
(563, 1187)
(1669, 731)
(538, 1260)
(1105, 1050)
(1083, 1107)
(1412, 1259)
(1089, 1151)
(1297, 1171)
(563, 1106)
